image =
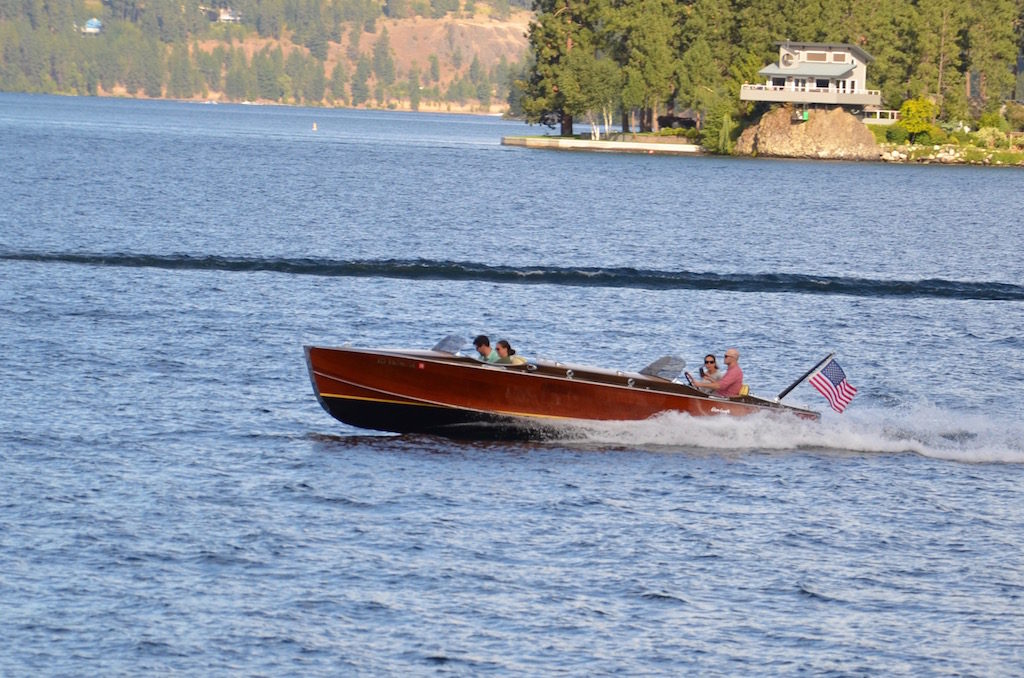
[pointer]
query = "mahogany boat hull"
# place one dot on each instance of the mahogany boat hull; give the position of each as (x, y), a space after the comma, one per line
(458, 396)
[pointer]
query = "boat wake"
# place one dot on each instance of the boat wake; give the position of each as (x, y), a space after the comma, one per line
(925, 430)
(619, 277)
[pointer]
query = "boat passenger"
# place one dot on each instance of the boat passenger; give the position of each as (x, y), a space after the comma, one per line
(731, 384)
(484, 351)
(710, 371)
(507, 354)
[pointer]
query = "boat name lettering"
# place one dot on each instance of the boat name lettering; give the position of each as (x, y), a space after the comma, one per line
(393, 362)
(719, 410)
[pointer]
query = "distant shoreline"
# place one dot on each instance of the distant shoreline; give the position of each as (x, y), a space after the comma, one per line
(900, 155)
(889, 154)
(494, 110)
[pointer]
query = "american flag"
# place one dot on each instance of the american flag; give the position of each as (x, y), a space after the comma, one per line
(831, 381)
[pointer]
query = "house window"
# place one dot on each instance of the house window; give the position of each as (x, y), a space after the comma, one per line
(821, 83)
(839, 56)
(815, 56)
(778, 82)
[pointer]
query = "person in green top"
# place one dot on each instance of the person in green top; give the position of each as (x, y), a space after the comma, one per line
(484, 351)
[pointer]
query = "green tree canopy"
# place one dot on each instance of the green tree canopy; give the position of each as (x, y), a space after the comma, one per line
(384, 60)
(918, 115)
(560, 27)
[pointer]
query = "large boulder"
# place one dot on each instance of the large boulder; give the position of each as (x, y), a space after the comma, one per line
(826, 134)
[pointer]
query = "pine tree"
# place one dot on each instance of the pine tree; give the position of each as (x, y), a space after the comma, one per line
(414, 87)
(992, 45)
(338, 83)
(651, 35)
(939, 24)
(360, 86)
(559, 27)
(383, 60)
(181, 81)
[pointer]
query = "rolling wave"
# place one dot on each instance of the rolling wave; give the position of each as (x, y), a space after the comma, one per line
(426, 269)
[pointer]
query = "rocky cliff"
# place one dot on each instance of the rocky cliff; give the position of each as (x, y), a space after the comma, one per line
(826, 134)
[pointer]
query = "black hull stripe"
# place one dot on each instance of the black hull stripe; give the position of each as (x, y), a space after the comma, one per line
(447, 421)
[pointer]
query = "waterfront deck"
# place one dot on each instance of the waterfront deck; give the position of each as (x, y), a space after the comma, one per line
(663, 146)
(810, 95)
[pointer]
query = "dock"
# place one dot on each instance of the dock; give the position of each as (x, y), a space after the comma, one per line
(663, 146)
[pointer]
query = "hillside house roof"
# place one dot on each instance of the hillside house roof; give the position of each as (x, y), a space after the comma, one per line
(808, 69)
(828, 47)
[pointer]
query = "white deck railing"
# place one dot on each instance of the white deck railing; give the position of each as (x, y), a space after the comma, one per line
(794, 88)
(810, 95)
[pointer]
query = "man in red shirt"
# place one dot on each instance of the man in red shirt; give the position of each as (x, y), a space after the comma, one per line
(729, 385)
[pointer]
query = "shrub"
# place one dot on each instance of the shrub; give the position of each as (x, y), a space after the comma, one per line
(936, 135)
(896, 134)
(1015, 116)
(990, 137)
(961, 138)
(993, 119)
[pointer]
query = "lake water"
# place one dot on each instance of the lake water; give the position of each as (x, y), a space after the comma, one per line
(174, 500)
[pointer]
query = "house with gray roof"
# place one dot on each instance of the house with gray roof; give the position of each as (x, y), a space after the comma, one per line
(816, 74)
(92, 27)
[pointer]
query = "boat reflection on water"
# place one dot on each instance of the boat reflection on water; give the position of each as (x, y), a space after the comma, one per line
(444, 393)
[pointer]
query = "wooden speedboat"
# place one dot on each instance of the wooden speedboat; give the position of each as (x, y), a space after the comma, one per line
(444, 393)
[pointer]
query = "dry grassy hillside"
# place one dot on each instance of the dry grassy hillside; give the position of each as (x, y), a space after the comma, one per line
(414, 40)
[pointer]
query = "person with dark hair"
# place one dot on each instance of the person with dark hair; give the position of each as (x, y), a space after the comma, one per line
(484, 351)
(507, 354)
(709, 371)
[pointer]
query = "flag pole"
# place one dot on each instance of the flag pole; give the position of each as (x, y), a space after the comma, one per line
(808, 373)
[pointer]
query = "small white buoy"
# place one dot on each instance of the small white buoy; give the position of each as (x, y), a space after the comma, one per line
(314, 126)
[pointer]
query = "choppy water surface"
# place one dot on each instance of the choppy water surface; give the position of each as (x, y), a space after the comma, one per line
(175, 501)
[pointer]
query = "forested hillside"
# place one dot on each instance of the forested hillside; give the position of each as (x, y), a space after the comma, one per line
(645, 55)
(583, 59)
(442, 54)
